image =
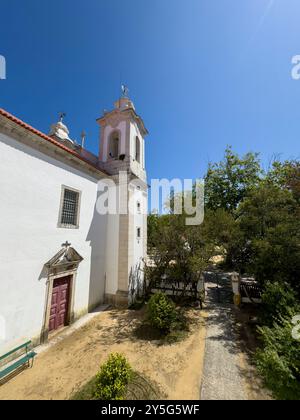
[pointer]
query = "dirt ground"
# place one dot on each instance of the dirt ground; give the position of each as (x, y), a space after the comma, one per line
(60, 371)
(248, 344)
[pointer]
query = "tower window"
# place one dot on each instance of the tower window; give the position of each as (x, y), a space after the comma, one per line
(69, 208)
(138, 233)
(138, 205)
(137, 150)
(114, 146)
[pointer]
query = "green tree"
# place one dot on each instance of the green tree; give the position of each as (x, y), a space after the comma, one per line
(153, 227)
(269, 221)
(180, 252)
(286, 175)
(227, 182)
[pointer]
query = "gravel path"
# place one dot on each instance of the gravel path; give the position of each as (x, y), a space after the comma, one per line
(222, 378)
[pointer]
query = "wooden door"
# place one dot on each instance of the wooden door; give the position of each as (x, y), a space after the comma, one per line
(59, 303)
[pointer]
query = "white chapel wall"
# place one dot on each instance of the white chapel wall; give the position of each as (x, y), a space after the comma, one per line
(30, 187)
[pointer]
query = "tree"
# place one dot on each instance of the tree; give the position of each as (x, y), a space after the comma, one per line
(228, 182)
(153, 222)
(269, 221)
(180, 252)
(286, 175)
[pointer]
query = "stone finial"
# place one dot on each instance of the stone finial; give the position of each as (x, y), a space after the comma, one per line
(60, 130)
(125, 91)
(83, 137)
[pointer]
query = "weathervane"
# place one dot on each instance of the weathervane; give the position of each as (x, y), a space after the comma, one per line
(61, 116)
(125, 91)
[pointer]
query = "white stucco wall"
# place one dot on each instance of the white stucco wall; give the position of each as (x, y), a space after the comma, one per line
(138, 251)
(138, 223)
(30, 188)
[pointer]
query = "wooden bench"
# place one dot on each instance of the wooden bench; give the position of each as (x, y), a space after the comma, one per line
(20, 359)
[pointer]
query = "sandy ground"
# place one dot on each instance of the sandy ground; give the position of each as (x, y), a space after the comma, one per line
(60, 371)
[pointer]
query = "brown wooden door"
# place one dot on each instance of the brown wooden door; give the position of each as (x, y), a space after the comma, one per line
(59, 303)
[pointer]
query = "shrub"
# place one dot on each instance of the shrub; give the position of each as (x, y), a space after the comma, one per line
(161, 312)
(278, 360)
(278, 299)
(113, 378)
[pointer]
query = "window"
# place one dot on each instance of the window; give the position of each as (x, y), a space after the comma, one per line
(114, 146)
(69, 208)
(137, 150)
(138, 233)
(138, 206)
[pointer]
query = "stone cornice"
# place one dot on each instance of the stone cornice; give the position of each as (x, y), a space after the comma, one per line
(113, 118)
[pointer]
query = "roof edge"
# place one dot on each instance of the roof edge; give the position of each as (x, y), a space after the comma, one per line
(56, 143)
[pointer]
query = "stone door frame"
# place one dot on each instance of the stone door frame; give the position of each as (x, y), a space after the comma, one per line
(49, 289)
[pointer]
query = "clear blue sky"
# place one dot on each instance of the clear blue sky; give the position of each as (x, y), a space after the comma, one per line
(202, 73)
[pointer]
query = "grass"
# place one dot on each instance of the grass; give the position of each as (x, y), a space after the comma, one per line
(139, 388)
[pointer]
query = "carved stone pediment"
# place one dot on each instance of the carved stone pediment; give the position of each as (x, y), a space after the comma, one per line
(66, 259)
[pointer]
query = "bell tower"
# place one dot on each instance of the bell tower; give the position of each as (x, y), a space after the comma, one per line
(122, 144)
(122, 149)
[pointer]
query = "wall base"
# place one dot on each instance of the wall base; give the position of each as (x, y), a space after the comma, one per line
(119, 300)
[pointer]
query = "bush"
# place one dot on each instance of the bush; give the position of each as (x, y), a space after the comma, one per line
(277, 300)
(113, 378)
(279, 359)
(161, 312)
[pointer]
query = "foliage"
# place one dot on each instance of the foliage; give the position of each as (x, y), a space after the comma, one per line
(252, 218)
(278, 300)
(161, 312)
(228, 182)
(153, 227)
(113, 378)
(286, 175)
(139, 388)
(181, 252)
(269, 223)
(278, 360)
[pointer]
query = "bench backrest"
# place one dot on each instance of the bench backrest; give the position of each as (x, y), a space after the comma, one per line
(27, 344)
